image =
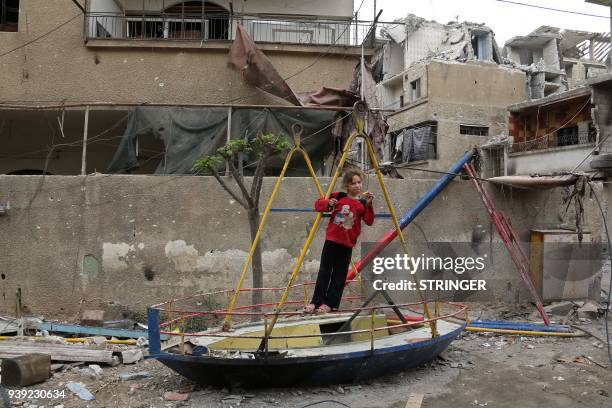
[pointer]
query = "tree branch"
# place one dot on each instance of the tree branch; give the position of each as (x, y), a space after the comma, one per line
(240, 181)
(229, 190)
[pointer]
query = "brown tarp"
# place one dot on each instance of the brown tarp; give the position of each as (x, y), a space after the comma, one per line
(256, 68)
(327, 96)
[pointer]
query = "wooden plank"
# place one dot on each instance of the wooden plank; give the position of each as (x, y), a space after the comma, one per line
(57, 352)
(96, 331)
(414, 400)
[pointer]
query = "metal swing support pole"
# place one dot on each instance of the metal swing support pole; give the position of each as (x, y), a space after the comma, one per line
(359, 111)
(508, 236)
(297, 139)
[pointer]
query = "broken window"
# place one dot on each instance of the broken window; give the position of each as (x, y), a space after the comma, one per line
(9, 15)
(415, 90)
(474, 130)
(415, 143)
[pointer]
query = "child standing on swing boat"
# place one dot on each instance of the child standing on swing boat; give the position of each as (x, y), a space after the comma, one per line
(347, 210)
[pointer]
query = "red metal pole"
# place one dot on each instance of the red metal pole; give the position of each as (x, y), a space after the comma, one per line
(508, 236)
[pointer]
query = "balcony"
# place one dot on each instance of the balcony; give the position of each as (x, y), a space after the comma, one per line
(570, 136)
(556, 153)
(222, 28)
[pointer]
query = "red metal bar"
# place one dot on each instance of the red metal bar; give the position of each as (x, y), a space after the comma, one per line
(508, 236)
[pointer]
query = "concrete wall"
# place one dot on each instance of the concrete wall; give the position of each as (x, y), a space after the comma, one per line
(559, 159)
(81, 242)
(462, 93)
(60, 67)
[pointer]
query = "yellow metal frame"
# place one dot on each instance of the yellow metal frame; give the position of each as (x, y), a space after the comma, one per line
(297, 140)
(359, 111)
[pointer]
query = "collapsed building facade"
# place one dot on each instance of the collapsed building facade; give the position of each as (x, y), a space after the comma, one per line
(557, 60)
(437, 80)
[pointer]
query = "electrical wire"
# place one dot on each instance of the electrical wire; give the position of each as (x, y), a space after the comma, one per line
(605, 223)
(40, 36)
(552, 9)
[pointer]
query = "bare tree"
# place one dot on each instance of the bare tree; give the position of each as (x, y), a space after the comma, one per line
(261, 148)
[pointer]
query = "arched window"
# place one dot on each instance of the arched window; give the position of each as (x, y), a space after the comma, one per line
(196, 20)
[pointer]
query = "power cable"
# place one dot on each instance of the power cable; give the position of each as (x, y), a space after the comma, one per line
(605, 223)
(552, 9)
(40, 36)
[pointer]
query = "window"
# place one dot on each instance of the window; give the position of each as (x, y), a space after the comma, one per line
(474, 130)
(415, 90)
(415, 143)
(9, 15)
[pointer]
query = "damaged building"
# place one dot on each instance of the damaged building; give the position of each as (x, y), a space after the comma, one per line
(557, 60)
(92, 79)
(554, 134)
(436, 79)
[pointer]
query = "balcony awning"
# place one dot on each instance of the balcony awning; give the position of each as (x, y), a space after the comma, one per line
(536, 182)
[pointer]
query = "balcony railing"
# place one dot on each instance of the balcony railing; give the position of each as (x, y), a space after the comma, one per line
(560, 138)
(222, 27)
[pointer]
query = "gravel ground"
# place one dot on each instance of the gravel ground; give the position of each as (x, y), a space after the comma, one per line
(477, 370)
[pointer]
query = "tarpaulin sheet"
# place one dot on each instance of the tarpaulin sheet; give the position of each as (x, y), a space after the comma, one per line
(189, 133)
(256, 68)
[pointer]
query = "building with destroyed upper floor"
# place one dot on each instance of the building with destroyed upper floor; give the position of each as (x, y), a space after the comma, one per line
(557, 60)
(446, 89)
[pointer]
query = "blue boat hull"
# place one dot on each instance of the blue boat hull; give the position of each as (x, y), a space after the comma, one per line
(311, 370)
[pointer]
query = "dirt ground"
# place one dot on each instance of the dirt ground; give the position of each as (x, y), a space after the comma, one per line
(477, 370)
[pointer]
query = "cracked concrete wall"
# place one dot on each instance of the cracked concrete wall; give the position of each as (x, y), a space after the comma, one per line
(127, 242)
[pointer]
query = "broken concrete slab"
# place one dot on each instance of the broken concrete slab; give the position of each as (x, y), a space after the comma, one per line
(131, 356)
(96, 370)
(560, 308)
(140, 375)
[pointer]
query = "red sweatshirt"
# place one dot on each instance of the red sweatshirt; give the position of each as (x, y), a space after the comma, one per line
(345, 223)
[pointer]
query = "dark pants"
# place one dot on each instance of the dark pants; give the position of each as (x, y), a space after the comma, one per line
(335, 260)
